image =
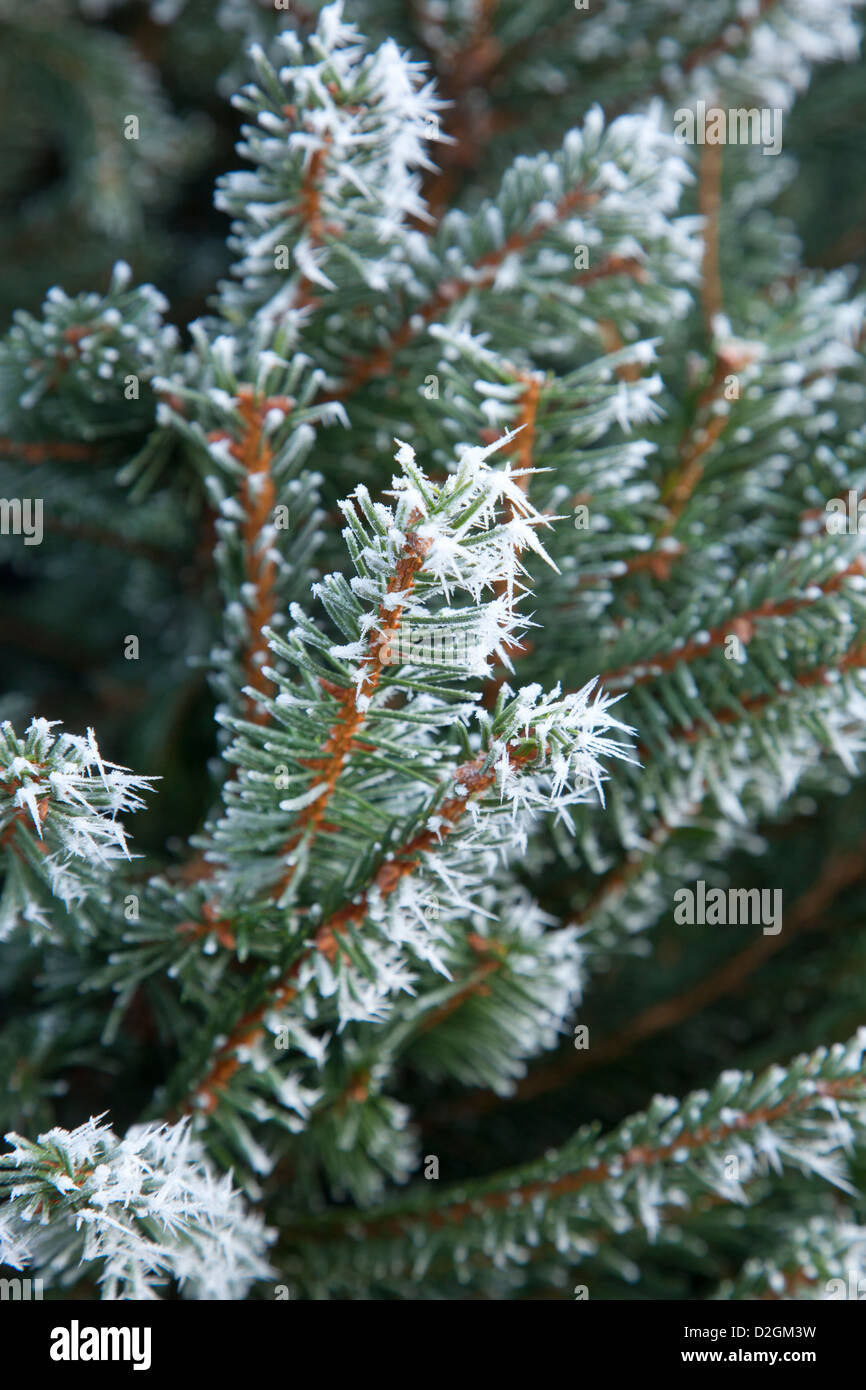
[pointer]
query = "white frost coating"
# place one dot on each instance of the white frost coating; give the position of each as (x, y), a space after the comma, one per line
(71, 797)
(148, 1206)
(369, 117)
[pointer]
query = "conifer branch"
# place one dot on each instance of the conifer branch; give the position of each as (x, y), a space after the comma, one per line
(825, 674)
(311, 218)
(354, 700)
(254, 455)
(742, 625)
(623, 1181)
(60, 450)
(450, 292)
(724, 41)
(462, 74)
(713, 418)
(471, 780)
(633, 1158)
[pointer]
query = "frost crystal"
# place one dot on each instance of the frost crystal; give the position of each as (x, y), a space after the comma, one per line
(149, 1206)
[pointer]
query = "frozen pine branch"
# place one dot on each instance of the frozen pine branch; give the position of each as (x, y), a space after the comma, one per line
(338, 146)
(60, 828)
(143, 1209)
(646, 1174)
(457, 775)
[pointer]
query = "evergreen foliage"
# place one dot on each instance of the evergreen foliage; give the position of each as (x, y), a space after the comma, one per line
(464, 584)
